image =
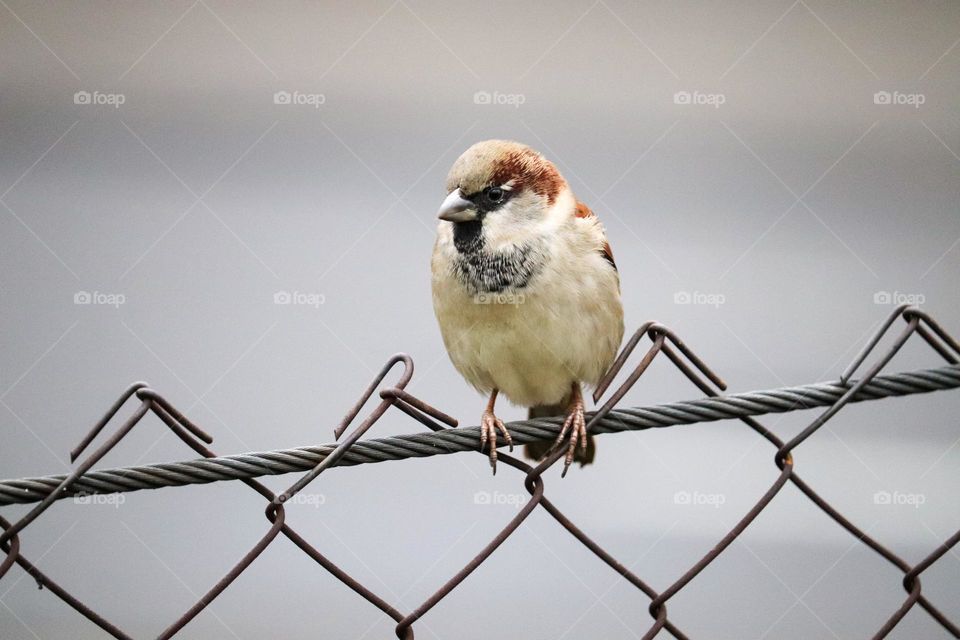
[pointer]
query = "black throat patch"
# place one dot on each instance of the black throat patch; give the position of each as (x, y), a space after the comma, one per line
(483, 271)
(467, 236)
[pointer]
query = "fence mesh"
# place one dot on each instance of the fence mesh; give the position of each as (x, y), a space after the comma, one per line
(445, 438)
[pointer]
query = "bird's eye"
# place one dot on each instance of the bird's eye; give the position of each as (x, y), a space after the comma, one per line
(495, 195)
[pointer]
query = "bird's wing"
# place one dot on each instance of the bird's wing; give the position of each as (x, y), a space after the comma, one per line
(583, 211)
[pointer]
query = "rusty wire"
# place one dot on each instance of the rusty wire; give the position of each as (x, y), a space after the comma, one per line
(446, 441)
(834, 396)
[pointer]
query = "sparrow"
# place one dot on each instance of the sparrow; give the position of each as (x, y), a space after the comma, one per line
(525, 291)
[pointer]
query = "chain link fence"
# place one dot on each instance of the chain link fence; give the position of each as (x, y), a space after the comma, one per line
(444, 438)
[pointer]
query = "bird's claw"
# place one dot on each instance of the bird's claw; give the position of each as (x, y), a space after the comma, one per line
(489, 425)
(574, 427)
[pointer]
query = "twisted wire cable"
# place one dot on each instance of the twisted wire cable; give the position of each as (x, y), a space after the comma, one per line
(431, 443)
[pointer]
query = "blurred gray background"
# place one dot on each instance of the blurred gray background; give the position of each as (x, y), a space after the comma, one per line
(737, 153)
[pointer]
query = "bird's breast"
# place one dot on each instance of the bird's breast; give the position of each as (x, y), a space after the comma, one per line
(485, 272)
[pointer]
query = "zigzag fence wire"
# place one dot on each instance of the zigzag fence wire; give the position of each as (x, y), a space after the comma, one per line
(445, 438)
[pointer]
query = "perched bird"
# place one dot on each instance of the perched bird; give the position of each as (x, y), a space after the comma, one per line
(525, 290)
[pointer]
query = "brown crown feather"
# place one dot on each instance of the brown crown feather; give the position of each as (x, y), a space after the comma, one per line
(499, 162)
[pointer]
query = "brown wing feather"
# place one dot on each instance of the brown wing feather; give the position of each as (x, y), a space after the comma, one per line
(583, 211)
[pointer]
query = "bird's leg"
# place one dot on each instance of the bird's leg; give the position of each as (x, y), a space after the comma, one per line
(489, 424)
(575, 425)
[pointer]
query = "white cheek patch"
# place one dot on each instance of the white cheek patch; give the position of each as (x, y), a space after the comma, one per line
(559, 214)
(521, 220)
(513, 224)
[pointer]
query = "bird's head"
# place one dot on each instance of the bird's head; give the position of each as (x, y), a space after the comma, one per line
(500, 193)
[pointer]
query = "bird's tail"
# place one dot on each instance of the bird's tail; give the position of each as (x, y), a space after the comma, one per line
(537, 450)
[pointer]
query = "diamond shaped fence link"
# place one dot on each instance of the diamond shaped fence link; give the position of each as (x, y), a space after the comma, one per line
(444, 438)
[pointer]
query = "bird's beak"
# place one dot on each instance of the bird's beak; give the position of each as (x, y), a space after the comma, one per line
(456, 208)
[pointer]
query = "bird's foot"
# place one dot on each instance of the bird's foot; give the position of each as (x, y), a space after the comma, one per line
(574, 428)
(489, 425)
